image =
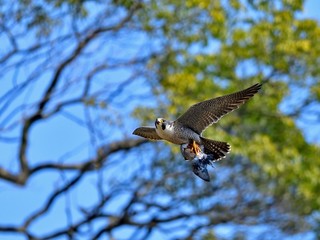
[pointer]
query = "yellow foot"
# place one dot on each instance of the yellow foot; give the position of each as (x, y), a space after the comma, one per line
(195, 148)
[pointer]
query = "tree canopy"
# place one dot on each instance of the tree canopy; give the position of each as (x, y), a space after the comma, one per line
(78, 76)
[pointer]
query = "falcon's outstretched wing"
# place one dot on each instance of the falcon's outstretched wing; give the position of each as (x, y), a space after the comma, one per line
(147, 132)
(201, 115)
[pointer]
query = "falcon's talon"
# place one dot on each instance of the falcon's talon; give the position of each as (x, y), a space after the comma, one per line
(195, 148)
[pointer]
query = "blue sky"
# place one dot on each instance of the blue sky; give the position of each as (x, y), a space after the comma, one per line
(312, 9)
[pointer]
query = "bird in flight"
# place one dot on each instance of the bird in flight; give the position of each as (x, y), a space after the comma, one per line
(187, 129)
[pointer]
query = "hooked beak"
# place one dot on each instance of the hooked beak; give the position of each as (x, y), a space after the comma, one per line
(158, 121)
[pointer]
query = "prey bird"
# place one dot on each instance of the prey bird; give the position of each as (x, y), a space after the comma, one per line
(187, 129)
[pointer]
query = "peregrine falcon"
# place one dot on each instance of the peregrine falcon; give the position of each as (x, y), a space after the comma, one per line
(186, 131)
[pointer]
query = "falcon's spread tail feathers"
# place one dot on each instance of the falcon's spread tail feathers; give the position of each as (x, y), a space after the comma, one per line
(216, 148)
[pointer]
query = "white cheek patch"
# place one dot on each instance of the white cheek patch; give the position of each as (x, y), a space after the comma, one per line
(169, 128)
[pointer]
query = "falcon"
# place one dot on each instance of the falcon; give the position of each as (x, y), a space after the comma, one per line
(187, 129)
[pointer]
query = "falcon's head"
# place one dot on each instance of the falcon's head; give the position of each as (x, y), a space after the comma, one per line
(160, 123)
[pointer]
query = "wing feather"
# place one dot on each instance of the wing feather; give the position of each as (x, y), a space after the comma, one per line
(147, 132)
(201, 115)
